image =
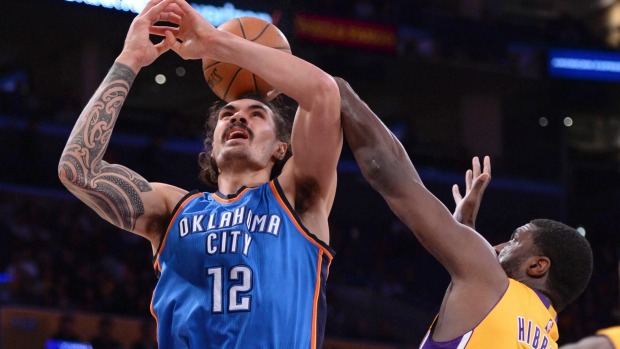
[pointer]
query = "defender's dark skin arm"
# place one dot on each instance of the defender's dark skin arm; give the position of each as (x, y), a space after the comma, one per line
(478, 281)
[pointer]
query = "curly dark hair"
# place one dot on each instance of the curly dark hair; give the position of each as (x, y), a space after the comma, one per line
(571, 260)
(282, 112)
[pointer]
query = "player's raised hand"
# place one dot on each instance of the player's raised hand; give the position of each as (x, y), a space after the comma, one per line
(195, 34)
(476, 181)
(139, 50)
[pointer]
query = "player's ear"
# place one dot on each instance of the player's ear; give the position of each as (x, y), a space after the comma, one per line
(280, 151)
(538, 266)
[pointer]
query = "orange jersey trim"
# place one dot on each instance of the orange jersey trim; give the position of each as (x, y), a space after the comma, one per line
(317, 289)
(156, 264)
(154, 316)
(295, 221)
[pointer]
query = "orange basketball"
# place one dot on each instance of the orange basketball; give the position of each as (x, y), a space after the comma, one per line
(229, 81)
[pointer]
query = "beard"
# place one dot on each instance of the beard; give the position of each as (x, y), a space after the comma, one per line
(512, 265)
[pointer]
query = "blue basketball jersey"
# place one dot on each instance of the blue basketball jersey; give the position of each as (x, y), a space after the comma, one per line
(240, 271)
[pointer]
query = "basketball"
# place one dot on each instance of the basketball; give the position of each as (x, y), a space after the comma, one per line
(228, 81)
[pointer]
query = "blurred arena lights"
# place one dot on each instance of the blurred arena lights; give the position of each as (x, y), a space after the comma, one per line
(584, 64)
(216, 15)
(160, 79)
(543, 121)
(581, 230)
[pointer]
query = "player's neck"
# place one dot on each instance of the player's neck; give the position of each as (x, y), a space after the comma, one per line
(229, 183)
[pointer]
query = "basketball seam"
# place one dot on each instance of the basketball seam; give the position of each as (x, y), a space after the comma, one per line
(231, 83)
(211, 65)
(254, 39)
(241, 27)
(255, 83)
(261, 32)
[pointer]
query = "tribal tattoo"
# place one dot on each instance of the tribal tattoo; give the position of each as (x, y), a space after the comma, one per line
(113, 191)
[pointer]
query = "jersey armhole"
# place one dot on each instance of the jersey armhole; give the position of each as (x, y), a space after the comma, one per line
(164, 232)
(279, 192)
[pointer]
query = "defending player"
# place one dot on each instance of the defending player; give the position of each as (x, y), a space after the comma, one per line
(503, 297)
(244, 267)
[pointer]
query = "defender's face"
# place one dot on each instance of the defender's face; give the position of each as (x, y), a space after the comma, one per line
(512, 254)
(245, 128)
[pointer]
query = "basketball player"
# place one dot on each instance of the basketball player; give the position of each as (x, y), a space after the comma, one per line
(503, 297)
(246, 265)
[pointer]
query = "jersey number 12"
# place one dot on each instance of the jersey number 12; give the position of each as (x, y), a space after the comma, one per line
(240, 282)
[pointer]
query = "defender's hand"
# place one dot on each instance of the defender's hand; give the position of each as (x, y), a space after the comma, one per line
(476, 182)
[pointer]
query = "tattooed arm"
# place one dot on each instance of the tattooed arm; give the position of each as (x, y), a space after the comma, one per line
(116, 193)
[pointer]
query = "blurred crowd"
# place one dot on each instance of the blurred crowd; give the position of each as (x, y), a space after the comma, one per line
(57, 254)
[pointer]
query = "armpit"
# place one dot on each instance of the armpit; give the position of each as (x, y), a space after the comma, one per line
(306, 194)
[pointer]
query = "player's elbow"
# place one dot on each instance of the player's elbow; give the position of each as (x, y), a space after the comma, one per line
(375, 168)
(68, 174)
(328, 84)
(64, 174)
(386, 167)
(325, 90)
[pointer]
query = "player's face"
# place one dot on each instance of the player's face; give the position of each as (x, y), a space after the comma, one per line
(245, 130)
(513, 253)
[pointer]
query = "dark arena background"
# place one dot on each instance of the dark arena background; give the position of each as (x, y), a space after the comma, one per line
(533, 84)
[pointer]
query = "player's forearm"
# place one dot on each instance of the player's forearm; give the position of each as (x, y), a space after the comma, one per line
(131, 60)
(91, 134)
(111, 190)
(380, 155)
(298, 79)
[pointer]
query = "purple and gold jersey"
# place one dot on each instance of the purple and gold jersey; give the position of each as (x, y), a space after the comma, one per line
(240, 271)
(522, 319)
(613, 334)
